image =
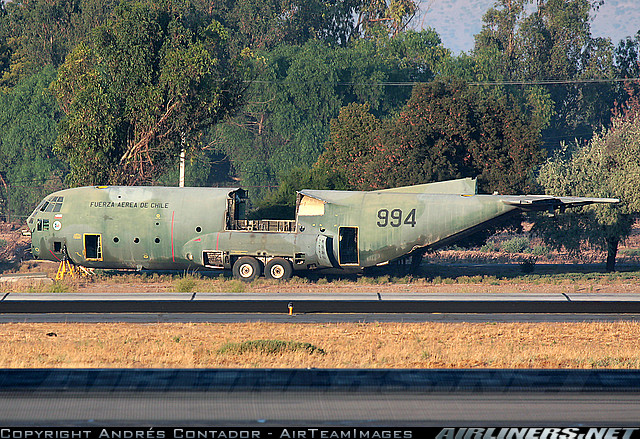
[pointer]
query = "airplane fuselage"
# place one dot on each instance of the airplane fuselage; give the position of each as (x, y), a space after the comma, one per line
(180, 228)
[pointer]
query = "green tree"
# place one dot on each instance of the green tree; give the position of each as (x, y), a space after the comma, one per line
(607, 166)
(145, 87)
(627, 57)
(28, 127)
(381, 19)
(284, 122)
(281, 203)
(549, 41)
(445, 131)
(39, 33)
(627, 65)
(266, 24)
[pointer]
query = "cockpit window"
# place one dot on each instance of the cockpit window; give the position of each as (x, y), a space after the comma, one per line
(52, 205)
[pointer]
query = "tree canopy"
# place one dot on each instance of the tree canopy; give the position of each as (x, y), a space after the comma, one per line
(250, 89)
(445, 131)
(284, 122)
(550, 45)
(148, 82)
(28, 167)
(607, 166)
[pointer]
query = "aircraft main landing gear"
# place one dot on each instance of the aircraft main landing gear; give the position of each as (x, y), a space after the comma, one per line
(247, 269)
(278, 268)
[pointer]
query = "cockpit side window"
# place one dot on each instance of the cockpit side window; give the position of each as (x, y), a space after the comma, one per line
(43, 224)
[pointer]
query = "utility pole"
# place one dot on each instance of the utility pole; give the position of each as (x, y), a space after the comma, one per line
(181, 182)
(8, 192)
(182, 155)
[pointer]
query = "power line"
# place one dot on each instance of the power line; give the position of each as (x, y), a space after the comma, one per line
(487, 83)
(557, 81)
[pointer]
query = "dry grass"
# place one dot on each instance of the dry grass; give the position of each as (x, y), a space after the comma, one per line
(343, 345)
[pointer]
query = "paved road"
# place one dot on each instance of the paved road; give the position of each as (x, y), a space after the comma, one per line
(319, 397)
(313, 409)
(310, 318)
(316, 308)
(161, 303)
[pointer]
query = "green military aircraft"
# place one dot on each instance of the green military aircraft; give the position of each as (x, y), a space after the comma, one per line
(161, 228)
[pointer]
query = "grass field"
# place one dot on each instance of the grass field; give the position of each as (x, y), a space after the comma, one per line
(344, 345)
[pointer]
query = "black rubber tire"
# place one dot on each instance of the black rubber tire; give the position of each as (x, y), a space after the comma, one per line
(247, 269)
(279, 269)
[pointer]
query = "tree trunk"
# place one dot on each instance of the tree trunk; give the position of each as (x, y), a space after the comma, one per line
(416, 260)
(612, 251)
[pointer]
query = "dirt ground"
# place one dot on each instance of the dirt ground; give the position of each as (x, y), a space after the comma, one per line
(306, 288)
(13, 246)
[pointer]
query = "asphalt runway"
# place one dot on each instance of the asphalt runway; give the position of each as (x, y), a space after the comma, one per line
(262, 397)
(312, 409)
(310, 318)
(319, 303)
(317, 308)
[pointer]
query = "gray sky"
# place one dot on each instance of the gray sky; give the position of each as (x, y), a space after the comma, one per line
(457, 21)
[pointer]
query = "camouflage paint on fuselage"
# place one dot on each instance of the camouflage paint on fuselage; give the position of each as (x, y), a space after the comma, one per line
(179, 228)
(391, 225)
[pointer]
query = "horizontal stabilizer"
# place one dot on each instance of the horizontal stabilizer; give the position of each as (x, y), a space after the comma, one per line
(546, 202)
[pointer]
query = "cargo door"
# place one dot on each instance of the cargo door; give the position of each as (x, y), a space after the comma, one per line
(348, 246)
(93, 247)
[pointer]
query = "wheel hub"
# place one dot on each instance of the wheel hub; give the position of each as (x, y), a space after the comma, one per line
(277, 271)
(246, 270)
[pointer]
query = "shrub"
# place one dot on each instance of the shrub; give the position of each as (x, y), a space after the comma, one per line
(269, 347)
(185, 284)
(61, 287)
(540, 250)
(490, 246)
(515, 245)
(528, 265)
